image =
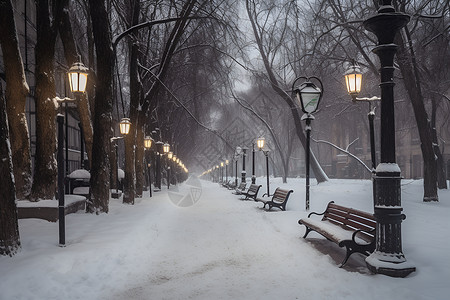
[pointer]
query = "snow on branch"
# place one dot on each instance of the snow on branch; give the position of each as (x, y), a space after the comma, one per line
(345, 151)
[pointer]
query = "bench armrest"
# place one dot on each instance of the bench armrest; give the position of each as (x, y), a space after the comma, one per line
(362, 230)
(314, 213)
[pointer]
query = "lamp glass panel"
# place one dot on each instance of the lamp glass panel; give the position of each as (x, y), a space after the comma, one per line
(124, 126)
(309, 97)
(353, 82)
(166, 148)
(260, 143)
(82, 82)
(73, 81)
(147, 142)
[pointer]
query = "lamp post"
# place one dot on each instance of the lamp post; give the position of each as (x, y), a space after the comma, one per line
(169, 167)
(260, 143)
(236, 157)
(221, 171)
(353, 80)
(226, 170)
(174, 158)
(159, 150)
(148, 144)
(124, 128)
(243, 173)
(308, 95)
(388, 257)
(166, 149)
(253, 164)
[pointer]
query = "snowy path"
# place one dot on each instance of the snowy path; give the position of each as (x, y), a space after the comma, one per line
(221, 248)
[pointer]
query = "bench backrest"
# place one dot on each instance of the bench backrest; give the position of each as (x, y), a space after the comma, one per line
(351, 219)
(280, 195)
(253, 188)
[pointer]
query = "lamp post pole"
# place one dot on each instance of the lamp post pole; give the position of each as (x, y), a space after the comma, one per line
(371, 116)
(235, 171)
(243, 173)
(61, 200)
(159, 149)
(308, 95)
(266, 153)
(253, 164)
(226, 171)
(388, 257)
(308, 118)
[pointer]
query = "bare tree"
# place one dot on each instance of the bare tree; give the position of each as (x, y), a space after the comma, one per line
(45, 169)
(9, 225)
(16, 92)
(100, 172)
(268, 50)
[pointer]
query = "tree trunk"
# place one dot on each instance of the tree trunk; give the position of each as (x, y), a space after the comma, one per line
(408, 68)
(130, 139)
(441, 178)
(140, 164)
(9, 226)
(100, 172)
(16, 92)
(45, 168)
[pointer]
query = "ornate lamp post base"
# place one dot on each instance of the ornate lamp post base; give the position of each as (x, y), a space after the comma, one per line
(388, 258)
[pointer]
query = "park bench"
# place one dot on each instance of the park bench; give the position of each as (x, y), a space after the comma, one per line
(347, 227)
(232, 186)
(240, 189)
(279, 199)
(226, 184)
(252, 192)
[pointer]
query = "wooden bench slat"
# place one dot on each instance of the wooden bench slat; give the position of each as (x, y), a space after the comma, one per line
(337, 220)
(252, 192)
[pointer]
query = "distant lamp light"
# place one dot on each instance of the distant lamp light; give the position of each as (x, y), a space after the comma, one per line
(166, 148)
(78, 74)
(124, 126)
(148, 142)
(353, 80)
(260, 143)
(170, 155)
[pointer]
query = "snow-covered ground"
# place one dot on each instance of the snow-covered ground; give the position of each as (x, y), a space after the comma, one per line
(224, 248)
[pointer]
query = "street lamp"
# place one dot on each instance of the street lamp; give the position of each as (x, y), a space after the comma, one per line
(353, 80)
(78, 75)
(260, 143)
(221, 170)
(388, 257)
(124, 126)
(308, 95)
(166, 149)
(148, 144)
(226, 170)
(159, 150)
(253, 164)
